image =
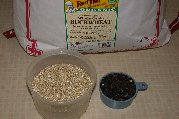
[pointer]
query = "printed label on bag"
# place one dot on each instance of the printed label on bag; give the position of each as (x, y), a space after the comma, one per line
(91, 23)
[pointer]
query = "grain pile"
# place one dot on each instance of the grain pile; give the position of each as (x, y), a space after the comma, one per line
(61, 82)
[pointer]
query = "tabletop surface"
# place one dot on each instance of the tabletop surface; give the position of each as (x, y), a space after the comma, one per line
(158, 67)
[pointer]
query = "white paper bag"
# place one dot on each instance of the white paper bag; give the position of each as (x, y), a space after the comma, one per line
(90, 26)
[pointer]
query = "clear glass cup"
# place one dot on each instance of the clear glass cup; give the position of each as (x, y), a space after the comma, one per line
(72, 109)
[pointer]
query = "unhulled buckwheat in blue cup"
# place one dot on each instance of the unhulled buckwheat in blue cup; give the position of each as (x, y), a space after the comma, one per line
(118, 89)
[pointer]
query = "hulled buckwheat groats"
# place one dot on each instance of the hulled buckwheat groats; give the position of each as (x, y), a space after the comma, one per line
(61, 82)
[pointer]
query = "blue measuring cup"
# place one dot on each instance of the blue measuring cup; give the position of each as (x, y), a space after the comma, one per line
(139, 86)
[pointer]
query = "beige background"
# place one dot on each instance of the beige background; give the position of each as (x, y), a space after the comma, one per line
(158, 67)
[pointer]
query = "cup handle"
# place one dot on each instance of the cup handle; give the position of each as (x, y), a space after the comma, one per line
(141, 86)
